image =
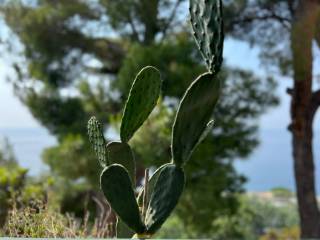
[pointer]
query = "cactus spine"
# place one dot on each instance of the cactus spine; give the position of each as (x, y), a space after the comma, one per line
(192, 124)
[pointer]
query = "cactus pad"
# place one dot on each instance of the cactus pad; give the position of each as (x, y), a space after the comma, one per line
(193, 115)
(142, 99)
(121, 153)
(117, 188)
(97, 140)
(167, 191)
(207, 24)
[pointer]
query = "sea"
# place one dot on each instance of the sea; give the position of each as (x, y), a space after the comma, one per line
(270, 164)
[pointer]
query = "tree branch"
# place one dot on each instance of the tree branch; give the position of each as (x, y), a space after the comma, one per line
(133, 28)
(284, 21)
(171, 18)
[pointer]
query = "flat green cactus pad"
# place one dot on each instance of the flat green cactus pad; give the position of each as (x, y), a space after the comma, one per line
(117, 188)
(207, 24)
(97, 140)
(121, 153)
(164, 198)
(142, 99)
(193, 115)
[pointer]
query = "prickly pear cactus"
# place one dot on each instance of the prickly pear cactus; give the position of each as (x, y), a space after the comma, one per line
(193, 115)
(97, 140)
(117, 188)
(142, 99)
(146, 214)
(207, 24)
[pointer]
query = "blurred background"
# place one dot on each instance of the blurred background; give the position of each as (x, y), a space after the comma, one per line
(62, 61)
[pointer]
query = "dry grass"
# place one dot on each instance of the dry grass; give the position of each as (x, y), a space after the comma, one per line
(38, 220)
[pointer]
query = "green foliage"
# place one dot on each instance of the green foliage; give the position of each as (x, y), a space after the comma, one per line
(126, 17)
(177, 59)
(193, 115)
(281, 192)
(12, 178)
(173, 228)
(55, 113)
(117, 188)
(255, 218)
(71, 150)
(207, 23)
(166, 193)
(142, 99)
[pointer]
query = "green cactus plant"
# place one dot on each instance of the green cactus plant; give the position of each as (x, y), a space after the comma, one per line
(155, 202)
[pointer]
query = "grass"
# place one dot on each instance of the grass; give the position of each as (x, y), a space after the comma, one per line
(39, 220)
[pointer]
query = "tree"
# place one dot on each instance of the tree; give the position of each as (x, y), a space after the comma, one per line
(285, 31)
(73, 45)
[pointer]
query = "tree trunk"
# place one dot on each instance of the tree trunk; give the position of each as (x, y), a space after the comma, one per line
(303, 32)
